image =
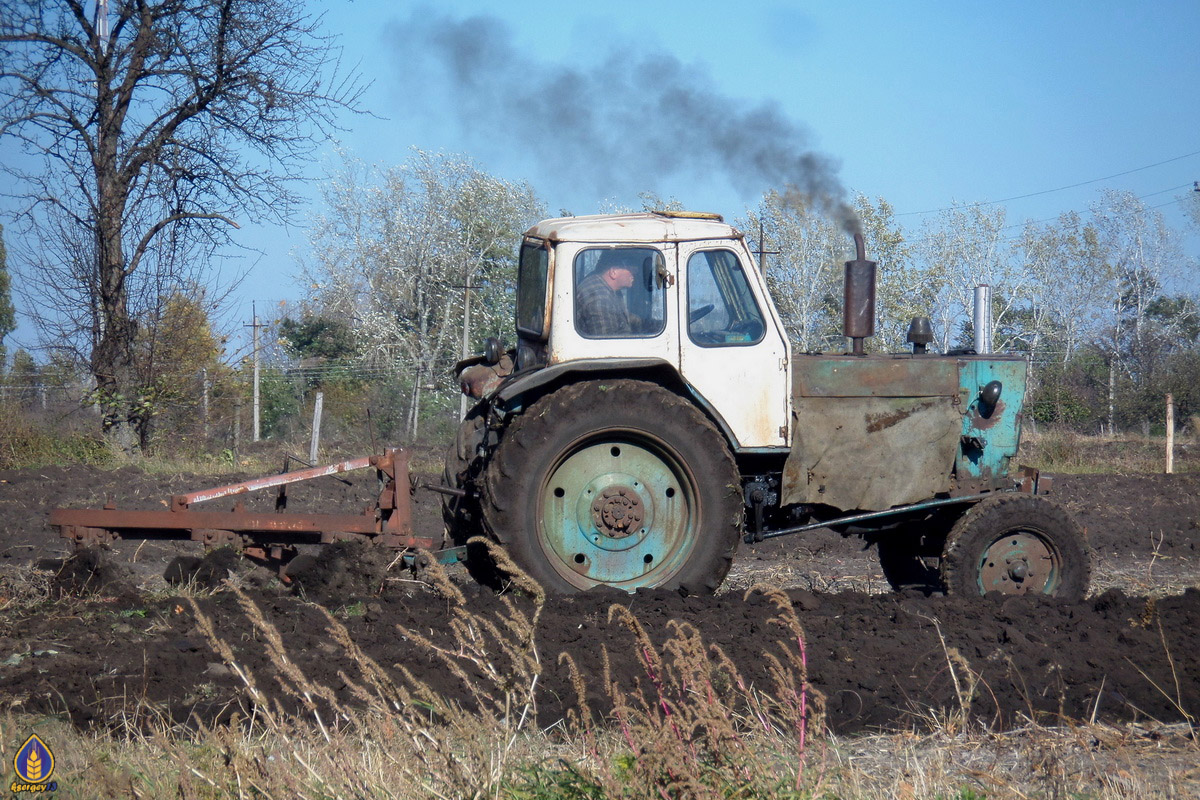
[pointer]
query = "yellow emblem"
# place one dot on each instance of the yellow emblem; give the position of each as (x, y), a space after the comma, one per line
(34, 764)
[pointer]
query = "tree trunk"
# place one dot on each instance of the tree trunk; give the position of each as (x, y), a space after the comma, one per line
(1112, 394)
(112, 360)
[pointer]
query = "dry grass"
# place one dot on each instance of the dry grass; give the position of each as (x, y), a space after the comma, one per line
(22, 587)
(1061, 450)
(688, 727)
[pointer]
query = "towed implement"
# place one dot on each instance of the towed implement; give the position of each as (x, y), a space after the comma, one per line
(267, 538)
(653, 415)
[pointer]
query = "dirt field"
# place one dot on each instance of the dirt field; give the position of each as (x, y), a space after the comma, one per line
(881, 660)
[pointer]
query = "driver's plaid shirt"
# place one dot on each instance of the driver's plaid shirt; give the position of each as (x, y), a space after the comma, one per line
(600, 310)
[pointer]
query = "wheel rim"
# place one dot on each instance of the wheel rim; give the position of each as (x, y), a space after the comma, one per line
(1020, 562)
(618, 510)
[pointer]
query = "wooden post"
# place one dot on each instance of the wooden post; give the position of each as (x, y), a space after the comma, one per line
(237, 424)
(204, 403)
(1170, 434)
(316, 430)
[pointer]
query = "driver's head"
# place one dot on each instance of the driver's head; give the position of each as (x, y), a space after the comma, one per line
(616, 268)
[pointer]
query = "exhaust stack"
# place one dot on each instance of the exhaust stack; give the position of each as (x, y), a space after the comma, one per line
(983, 319)
(858, 312)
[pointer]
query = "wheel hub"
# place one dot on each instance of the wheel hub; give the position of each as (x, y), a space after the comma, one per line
(618, 512)
(1018, 563)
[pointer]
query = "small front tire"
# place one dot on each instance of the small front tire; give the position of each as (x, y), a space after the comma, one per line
(1017, 544)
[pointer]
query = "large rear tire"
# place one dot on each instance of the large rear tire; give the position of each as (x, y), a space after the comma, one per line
(1017, 544)
(615, 483)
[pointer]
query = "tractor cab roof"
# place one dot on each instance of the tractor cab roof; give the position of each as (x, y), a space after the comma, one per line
(651, 226)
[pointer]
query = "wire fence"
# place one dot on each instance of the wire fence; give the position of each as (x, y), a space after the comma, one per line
(214, 412)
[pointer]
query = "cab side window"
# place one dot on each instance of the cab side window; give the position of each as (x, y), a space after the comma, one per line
(722, 311)
(620, 293)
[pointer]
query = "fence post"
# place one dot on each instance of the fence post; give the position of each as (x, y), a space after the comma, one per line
(316, 429)
(1170, 434)
(237, 424)
(204, 402)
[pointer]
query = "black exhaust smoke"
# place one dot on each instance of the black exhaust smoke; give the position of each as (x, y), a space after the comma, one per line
(858, 312)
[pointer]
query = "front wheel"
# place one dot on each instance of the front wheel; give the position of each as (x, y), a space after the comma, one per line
(615, 483)
(1017, 544)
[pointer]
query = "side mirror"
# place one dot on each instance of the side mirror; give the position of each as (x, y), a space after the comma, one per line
(493, 350)
(990, 394)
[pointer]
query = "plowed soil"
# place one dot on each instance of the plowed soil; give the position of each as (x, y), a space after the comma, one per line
(132, 644)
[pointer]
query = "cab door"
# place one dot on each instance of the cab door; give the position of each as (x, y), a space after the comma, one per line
(733, 349)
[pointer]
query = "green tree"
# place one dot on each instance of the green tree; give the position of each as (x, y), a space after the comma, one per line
(24, 378)
(317, 337)
(175, 350)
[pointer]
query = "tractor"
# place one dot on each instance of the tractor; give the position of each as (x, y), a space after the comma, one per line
(640, 454)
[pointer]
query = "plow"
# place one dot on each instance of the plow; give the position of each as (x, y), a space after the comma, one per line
(268, 538)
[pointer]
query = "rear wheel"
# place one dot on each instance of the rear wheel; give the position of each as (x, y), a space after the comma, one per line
(1017, 544)
(615, 483)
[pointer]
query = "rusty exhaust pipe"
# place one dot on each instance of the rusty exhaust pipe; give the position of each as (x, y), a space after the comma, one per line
(858, 312)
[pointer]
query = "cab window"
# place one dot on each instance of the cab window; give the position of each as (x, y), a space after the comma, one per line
(722, 311)
(531, 289)
(620, 293)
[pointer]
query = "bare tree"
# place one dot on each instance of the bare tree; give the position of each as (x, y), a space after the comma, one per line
(394, 248)
(8, 314)
(148, 127)
(964, 247)
(1140, 262)
(1063, 260)
(804, 278)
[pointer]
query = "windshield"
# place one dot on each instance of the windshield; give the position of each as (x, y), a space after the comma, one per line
(531, 288)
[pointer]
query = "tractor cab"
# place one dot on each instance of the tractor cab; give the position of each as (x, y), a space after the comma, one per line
(675, 289)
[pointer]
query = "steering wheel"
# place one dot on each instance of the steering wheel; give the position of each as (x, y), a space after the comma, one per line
(751, 327)
(700, 313)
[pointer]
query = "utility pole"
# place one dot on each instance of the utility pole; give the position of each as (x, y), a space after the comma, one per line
(254, 326)
(762, 252)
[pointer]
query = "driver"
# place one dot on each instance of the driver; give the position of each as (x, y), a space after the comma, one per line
(599, 302)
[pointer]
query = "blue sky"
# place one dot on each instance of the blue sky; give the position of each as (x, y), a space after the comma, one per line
(922, 103)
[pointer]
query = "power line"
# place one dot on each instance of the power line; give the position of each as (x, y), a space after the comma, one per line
(918, 239)
(1049, 191)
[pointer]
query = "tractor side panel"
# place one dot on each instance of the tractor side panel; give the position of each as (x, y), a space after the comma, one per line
(990, 434)
(870, 453)
(871, 433)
